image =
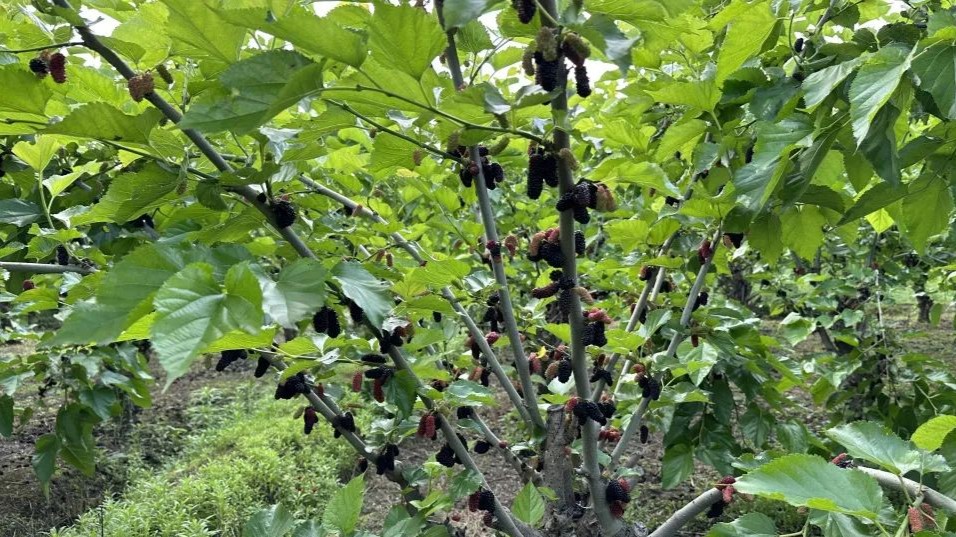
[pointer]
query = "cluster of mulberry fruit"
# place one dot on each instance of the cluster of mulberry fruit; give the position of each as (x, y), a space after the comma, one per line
(594, 329)
(585, 410)
(385, 462)
(546, 246)
(577, 50)
(284, 212)
(482, 500)
(542, 170)
(395, 338)
(229, 356)
(586, 195)
(491, 171)
(726, 496)
(294, 385)
(617, 493)
(609, 434)
(921, 518)
(345, 422)
(140, 86)
(493, 314)
(52, 64)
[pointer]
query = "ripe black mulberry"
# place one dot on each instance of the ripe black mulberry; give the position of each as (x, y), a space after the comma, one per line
(310, 419)
(446, 456)
(229, 356)
(614, 492)
(581, 82)
(564, 370)
(39, 67)
(526, 10)
(284, 213)
(62, 256)
(292, 386)
(486, 501)
(579, 242)
(261, 367)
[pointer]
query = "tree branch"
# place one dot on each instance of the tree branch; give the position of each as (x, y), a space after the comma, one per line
(491, 234)
(45, 268)
(687, 513)
(579, 359)
(895, 482)
(671, 347)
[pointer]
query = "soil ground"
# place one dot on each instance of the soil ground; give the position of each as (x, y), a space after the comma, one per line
(156, 433)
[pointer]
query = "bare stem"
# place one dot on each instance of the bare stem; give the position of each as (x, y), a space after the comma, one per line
(491, 235)
(44, 47)
(895, 482)
(44, 268)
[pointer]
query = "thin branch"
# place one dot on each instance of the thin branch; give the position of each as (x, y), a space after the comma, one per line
(650, 289)
(383, 128)
(671, 348)
(437, 111)
(45, 268)
(44, 47)
(491, 235)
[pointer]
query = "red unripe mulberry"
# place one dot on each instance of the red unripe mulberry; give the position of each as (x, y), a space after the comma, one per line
(704, 252)
(57, 67)
(916, 519)
(357, 381)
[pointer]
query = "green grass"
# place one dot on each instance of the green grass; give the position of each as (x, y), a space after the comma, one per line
(250, 453)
